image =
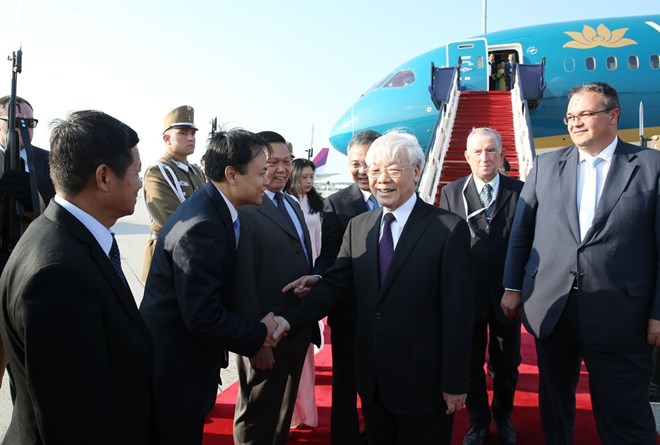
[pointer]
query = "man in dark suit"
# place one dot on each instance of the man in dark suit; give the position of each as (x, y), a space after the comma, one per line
(80, 353)
(16, 184)
(582, 266)
(189, 287)
(508, 70)
(487, 200)
(338, 210)
(492, 72)
(274, 249)
(412, 290)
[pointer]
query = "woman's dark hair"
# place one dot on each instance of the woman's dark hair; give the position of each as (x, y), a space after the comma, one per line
(293, 187)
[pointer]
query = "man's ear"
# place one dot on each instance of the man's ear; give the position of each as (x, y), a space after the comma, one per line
(102, 177)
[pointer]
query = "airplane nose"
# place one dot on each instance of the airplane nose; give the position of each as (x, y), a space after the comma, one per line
(342, 132)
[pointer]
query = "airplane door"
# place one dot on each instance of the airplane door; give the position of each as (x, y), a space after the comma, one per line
(474, 63)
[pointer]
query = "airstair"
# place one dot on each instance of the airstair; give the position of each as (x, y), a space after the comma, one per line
(460, 111)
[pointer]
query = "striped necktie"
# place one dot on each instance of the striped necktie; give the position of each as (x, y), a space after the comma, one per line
(486, 197)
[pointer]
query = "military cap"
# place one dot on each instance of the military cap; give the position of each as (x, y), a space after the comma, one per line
(180, 117)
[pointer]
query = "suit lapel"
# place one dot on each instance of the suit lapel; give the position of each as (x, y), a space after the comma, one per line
(412, 232)
(568, 183)
(67, 221)
(474, 203)
(269, 209)
(301, 219)
(620, 172)
(373, 237)
(225, 216)
(357, 200)
(503, 195)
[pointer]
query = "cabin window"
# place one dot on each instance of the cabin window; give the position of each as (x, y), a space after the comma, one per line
(569, 64)
(655, 61)
(633, 62)
(401, 79)
(611, 63)
(590, 63)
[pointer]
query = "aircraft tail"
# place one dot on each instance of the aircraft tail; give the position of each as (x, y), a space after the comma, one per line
(321, 158)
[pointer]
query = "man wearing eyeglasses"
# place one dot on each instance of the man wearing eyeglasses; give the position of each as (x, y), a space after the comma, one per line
(582, 271)
(409, 270)
(16, 185)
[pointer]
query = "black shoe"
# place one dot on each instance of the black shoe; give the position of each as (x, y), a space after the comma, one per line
(505, 433)
(476, 435)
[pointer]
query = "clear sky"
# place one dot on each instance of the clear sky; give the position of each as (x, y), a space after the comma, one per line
(282, 65)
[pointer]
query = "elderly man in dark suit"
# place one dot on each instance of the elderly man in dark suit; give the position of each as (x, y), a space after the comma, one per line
(187, 297)
(582, 267)
(80, 353)
(410, 271)
(274, 249)
(487, 200)
(338, 210)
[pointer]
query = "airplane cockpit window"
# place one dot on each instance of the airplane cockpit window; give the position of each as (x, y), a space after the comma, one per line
(611, 63)
(401, 79)
(655, 61)
(569, 64)
(633, 62)
(590, 64)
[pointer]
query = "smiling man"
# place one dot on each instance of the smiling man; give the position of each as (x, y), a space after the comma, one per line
(171, 180)
(408, 267)
(582, 270)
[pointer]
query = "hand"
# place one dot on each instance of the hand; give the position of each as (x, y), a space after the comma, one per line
(15, 184)
(283, 328)
(271, 326)
(454, 402)
(302, 285)
(654, 332)
(511, 304)
(263, 359)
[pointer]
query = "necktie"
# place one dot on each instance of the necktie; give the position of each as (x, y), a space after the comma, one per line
(372, 203)
(237, 230)
(486, 197)
(279, 197)
(588, 200)
(115, 259)
(386, 246)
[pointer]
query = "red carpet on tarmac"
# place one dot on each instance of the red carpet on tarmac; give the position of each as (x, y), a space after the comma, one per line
(526, 421)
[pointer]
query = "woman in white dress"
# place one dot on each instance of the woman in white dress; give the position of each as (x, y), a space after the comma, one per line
(301, 186)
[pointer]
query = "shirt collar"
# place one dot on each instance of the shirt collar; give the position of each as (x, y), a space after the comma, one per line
(606, 155)
(402, 213)
(101, 233)
(495, 183)
(232, 210)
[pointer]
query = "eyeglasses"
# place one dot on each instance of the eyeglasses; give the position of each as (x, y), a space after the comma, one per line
(583, 117)
(358, 165)
(392, 172)
(29, 122)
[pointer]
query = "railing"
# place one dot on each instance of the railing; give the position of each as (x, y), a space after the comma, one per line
(522, 127)
(428, 184)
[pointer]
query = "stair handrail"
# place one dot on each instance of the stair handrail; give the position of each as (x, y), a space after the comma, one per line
(522, 127)
(439, 144)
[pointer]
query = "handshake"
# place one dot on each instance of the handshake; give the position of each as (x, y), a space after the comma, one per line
(277, 328)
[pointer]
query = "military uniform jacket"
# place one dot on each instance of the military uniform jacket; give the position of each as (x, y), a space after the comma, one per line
(166, 185)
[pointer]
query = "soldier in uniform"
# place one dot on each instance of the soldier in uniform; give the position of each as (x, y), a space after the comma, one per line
(171, 180)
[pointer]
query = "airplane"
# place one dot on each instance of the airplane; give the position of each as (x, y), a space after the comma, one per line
(623, 51)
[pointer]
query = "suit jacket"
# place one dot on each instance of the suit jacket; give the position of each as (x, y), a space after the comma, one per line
(185, 306)
(270, 255)
(41, 170)
(617, 263)
(80, 353)
(490, 241)
(419, 323)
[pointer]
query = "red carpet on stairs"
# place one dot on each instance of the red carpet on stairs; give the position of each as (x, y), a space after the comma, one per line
(526, 420)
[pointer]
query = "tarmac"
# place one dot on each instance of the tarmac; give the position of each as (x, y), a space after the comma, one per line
(132, 232)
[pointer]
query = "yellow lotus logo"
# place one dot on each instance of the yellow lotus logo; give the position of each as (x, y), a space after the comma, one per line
(591, 38)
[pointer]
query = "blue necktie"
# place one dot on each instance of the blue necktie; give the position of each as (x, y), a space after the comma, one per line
(237, 230)
(372, 203)
(282, 208)
(486, 197)
(386, 246)
(115, 259)
(588, 201)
